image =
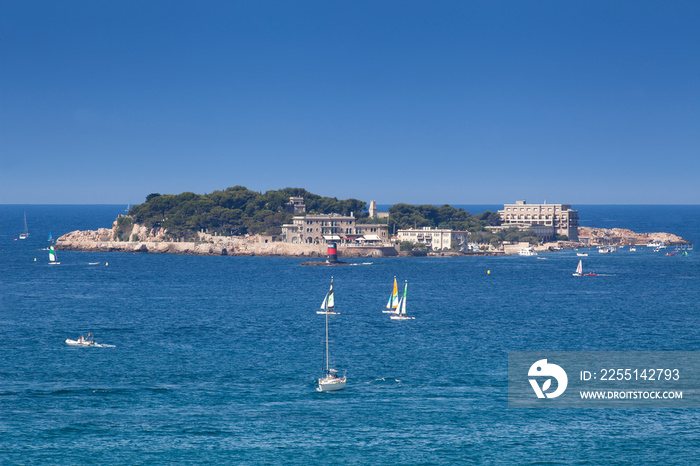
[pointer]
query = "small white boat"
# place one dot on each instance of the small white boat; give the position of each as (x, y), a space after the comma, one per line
(52, 256)
(85, 342)
(527, 252)
(393, 302)
(632, 249)
(401, 310)
(330, 382)
(328, 304)
(81, 341)
(582, 254)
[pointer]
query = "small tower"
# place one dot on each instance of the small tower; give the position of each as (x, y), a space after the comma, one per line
(332, 253)
(372, 209)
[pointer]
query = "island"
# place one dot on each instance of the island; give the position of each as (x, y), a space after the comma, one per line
(293, 222)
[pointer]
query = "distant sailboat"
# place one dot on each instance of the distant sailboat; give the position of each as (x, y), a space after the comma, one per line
(25, 233)
(401, 310)
(50, 237)
(393, 302)
(330, 382)
(328, 304)
(579, 269)
(52, 256)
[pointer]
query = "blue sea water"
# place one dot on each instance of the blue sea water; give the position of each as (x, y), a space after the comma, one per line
(216, 358)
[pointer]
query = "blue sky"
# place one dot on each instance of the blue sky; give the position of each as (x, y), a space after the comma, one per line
(460, 102)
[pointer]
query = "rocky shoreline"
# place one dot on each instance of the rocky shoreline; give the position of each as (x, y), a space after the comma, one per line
(155, 241)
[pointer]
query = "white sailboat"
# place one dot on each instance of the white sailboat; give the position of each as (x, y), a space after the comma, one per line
(393, 302)
(579, 269)
(401, 309)
(52, 256)
(328, 304)
(330, 382)
(25, 233)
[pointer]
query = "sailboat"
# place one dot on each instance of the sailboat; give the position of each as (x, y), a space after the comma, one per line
(328, 304)
(579, 269)
(393, 302)
(25, 233)
(330, 382)
(50, 237)
(401, 309)
(52, 256)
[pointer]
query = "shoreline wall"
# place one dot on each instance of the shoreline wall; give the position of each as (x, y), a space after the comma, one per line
(154, 241)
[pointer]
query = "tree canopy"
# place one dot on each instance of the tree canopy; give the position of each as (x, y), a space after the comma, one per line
(405, 216)
(238, 210)
(233, 211)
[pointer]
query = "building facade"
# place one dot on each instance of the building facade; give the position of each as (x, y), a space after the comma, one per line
(545, 220)
(321, 228)
(435, 239)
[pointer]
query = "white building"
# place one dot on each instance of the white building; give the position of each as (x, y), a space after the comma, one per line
(544, 219)
(321, 228)
(433, 238)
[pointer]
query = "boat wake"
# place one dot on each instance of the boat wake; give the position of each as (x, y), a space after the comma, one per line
(384, 379)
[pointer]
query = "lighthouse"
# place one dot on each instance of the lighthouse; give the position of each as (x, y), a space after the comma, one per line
(332, 253)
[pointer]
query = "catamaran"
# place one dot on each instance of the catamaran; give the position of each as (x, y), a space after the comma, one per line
(328, 304)
(579, 269)
(401, 309)
(52, 256)
(25, 233)
(330, 382)
(393, 302)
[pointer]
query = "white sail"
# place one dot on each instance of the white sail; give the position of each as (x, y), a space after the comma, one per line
(401, 309)
(579, 269)
(52, 254)
(393, 302)
(329, 300)
(402, 303)
(25, 233)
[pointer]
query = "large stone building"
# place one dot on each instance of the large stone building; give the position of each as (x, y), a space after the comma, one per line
(321, 228)
(435, 239)
(545, 220)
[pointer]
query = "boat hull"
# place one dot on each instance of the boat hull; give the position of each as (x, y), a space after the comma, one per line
(331, 384)
(80, 343)
(402, 317)
(330, 313)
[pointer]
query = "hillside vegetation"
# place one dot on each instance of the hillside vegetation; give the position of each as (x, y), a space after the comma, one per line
(238, 210)
(234, 211)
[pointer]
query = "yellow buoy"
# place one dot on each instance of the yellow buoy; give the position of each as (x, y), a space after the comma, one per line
(106, 264)
(35, 259)
(488, 272)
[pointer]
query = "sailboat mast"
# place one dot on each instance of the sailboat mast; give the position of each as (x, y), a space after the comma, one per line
(327, 337)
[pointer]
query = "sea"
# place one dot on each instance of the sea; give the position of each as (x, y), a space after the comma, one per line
(216, 359)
